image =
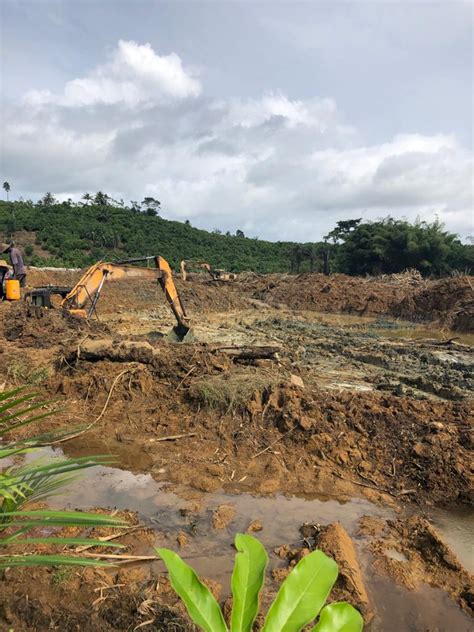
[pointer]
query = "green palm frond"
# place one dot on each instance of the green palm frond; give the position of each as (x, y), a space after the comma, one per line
(38, 480)
(9, 561)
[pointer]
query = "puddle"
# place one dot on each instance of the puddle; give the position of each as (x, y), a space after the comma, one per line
(456, 527)
(424, 610)
(170, 510)
(420, 333)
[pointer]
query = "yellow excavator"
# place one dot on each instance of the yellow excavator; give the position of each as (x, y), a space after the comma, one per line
(81, 300)
(216, 274)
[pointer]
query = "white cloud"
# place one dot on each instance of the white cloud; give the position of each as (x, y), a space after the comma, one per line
(274, 166)
(134, 74)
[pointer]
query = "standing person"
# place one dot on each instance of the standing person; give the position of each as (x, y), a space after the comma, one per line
(16, 259)
(5, 274)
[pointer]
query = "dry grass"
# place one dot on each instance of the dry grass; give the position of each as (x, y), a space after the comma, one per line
(232, 392)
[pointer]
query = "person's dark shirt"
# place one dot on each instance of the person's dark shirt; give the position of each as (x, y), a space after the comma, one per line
(16, 260)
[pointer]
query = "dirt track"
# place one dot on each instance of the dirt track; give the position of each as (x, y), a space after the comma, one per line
(343, 404)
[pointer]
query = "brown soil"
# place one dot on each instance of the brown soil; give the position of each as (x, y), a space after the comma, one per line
(92, 599)
(322, 406)
(449, 302)
(411, 552)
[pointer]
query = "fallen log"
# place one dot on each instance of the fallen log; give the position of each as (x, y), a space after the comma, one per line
(108, 349)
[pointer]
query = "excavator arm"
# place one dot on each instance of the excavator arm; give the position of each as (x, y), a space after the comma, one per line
(196, 264)
(83, 297)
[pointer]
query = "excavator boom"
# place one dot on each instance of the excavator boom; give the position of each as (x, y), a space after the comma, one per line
(82, 299)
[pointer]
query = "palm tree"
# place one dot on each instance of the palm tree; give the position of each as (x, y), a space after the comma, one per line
(101, 199)
(87, 197)
(6, 186)
(48, 199)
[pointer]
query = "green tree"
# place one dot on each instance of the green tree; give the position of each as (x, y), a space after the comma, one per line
(48, 199)
(101, 199)
(87, 197)
(6, 186)
(390, 246)
(152, 206)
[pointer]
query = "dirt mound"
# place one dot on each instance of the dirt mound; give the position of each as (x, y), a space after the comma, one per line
(384, 442)
(52, 276)
(336, 293)
(450, 302)
(369, 442)
(39, 328)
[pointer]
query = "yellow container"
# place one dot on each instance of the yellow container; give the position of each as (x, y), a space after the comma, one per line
(12, 290)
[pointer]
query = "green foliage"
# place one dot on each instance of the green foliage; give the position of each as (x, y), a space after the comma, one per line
(247, 581)
(34, 481)
(77, 235)
(298, 602)
(339, 617)
(198, 599)
(302, 594)
(391, 246)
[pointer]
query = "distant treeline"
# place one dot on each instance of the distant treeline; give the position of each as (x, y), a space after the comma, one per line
(78, 234)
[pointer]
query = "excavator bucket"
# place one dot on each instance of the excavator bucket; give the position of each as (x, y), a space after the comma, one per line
(180, 333)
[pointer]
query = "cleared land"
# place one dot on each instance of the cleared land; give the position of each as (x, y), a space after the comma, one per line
(333, 412)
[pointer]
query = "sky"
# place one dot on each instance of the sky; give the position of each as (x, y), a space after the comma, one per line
(275, 118)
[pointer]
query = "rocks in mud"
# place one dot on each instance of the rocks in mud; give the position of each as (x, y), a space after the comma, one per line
(181, 539)
(254, 526)
(295, 380)
(422, 449)
(222, 516)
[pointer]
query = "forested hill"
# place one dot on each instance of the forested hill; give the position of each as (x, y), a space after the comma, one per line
(67, 235)
(76, 235)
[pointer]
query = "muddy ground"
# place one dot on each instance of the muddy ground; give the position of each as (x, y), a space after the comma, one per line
(303, 401)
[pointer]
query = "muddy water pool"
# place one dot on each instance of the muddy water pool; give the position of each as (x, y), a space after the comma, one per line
(169, 510)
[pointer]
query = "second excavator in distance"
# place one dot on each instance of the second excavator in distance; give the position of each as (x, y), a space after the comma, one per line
(81, 300)
(216, 274)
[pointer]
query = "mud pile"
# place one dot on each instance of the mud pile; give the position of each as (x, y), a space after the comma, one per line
(410, 551)
(338, 293)
(52, 276)
(30, 327)
(449, 302)
(369, 442)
